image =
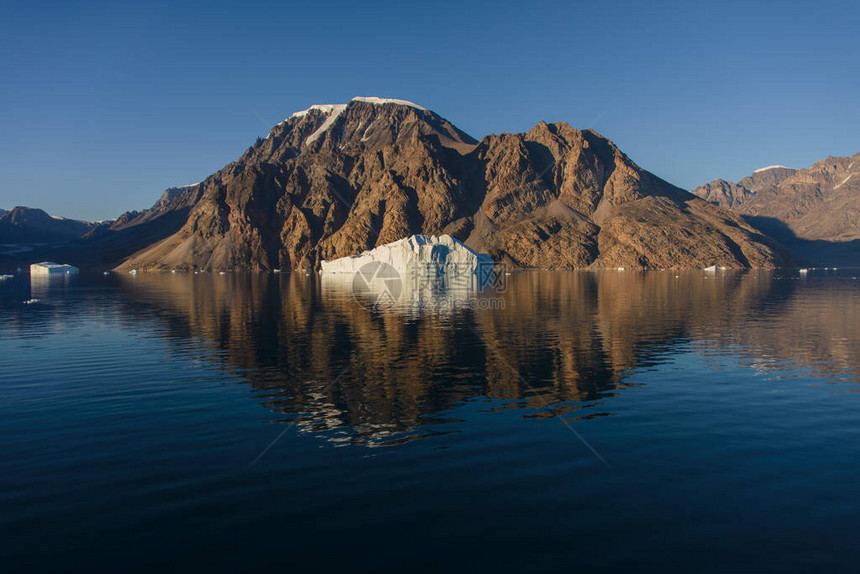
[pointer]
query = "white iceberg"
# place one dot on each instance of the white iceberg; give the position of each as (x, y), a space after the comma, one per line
(413, 275)
(51, 269)
(442, 254)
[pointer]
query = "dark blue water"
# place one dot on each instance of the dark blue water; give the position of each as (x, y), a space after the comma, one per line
(591, 422)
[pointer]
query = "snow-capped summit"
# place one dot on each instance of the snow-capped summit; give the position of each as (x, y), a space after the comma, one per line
(380, 101)
(338, 108)
(366, 121)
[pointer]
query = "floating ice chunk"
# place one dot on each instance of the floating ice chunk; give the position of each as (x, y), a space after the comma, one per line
(49, 268)
(442, 254)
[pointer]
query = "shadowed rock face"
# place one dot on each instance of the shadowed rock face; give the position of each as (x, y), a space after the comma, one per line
(336, 180)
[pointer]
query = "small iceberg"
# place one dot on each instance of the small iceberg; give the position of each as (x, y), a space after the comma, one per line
(51, 269)
(415, 275)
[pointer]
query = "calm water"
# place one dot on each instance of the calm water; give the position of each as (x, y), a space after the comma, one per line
(597, 422)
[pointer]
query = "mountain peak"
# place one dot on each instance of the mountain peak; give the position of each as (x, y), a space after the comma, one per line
(381, 101)
(27, 224)
(338, 108)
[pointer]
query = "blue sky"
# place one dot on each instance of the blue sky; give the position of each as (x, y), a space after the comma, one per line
(104, 105)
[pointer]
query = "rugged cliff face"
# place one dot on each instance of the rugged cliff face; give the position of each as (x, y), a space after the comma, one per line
(338, 179)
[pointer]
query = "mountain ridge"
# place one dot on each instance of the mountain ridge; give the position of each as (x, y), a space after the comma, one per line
(23, 224)
(336, 179)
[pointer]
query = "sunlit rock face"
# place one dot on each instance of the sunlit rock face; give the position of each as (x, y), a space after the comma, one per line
(442, 254)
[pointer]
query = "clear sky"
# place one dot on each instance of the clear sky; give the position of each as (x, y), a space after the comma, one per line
(104, 105)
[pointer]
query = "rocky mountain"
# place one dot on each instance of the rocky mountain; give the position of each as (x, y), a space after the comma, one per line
(29, 225)
(334, 180)
(821, 202)
(815, 210)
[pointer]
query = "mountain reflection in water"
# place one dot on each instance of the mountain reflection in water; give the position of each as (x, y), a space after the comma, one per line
(558, 343)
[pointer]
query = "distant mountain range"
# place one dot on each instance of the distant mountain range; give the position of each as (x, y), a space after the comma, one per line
(28, 225)
(815, 211)
(334, 180)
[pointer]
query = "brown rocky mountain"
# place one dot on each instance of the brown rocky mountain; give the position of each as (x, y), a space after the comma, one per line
(337, 179)
(29, 225)
(815, 210)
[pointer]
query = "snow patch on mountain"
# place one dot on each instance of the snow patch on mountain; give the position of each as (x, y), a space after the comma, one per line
(333, 114)
(761, 169)
(324, 108)
(844, 181)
